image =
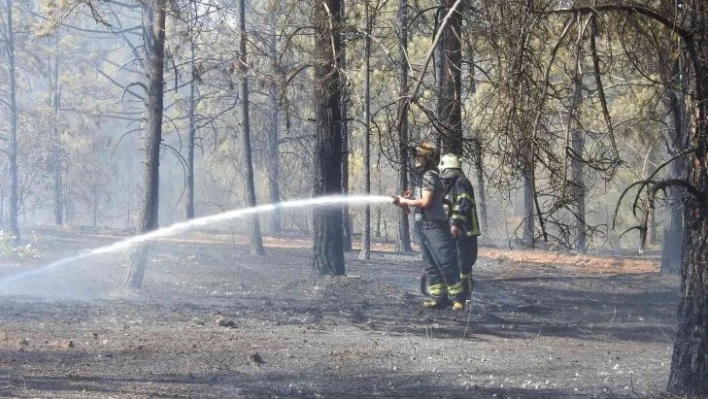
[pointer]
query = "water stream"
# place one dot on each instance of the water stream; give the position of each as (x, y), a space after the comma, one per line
(7, 283)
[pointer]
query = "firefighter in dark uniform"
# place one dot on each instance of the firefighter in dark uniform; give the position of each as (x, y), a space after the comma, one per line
(436, 243)
(464, 224)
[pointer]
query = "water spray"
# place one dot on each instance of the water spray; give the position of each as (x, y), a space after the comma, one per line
(332, 200)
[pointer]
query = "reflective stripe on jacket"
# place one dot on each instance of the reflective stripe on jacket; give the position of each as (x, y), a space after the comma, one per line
(459, 191)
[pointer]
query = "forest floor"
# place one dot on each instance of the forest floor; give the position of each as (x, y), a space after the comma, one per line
(215, 321)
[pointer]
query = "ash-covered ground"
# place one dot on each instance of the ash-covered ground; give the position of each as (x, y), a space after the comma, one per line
(214, 321)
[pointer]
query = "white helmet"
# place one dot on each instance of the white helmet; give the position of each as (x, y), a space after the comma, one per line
(449, 161)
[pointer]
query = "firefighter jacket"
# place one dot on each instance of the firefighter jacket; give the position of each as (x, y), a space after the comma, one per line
(459, 194)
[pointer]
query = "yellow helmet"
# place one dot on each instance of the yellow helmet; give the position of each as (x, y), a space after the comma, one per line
(426, 149)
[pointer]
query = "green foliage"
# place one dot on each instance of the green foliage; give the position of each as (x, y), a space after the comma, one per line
(10, 250)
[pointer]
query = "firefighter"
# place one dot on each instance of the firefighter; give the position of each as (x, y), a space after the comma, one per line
(464, 224)
(437, 246)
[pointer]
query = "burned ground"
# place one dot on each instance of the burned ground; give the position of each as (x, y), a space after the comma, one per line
(215, 321)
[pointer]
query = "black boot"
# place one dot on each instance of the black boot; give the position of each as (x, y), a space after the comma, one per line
(437, 303)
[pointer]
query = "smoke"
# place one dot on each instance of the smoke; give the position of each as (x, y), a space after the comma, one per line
(97, 273)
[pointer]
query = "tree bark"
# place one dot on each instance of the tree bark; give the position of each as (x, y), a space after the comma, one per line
(578, 144)
(448, 73)
(365, 253)
(254, 224)
(327, 221)
(673, 224)
(154, 16)
(346, 221)
(56, 167)
(273, 164)
(192, 125)
(12, 153)
(403, 243)
(689, 365)
(481, 191)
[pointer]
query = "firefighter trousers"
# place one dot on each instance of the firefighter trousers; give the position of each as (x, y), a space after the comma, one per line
(466, 247)
(466, 253)
(441, 269)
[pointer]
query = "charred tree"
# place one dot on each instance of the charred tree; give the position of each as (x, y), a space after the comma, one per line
(448, 73)
(154, 16)
(346, 217)
(689, 364)
(12, 142)
(365, 253)
(327, 221)
(675, 144)
(578, 189)
(273, 164)
(403, 243)
(192, 128)
(254, 228)
(57, 154)
(478, 159)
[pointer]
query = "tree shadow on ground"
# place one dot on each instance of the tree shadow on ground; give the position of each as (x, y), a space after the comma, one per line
(262, 382)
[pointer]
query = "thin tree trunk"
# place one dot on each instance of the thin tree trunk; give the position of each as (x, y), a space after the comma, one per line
(254, 225)
(273, 164)
(14, 194)
(673, 224)
(154, 16)
(529, 221)
(481, 189)
(346, 221)
(56, 157)
(192, 125)
(652, 227)
(578, 144)
(328, 248)
(94, 196)
(403, 242)
(365, 253)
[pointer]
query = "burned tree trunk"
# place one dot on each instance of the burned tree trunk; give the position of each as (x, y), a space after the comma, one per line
(673, 223)
(13, 146)
(327, 222)
(448, 70)
(154, 16)
(403, 243)
(689, 365)
(254, 225)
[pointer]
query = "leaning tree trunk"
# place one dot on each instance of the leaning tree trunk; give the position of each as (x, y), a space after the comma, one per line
(689, 363)
(403, 243)
(327, 221)
(12, 152)
(254, 226)
(448, 73)
(154, 15)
